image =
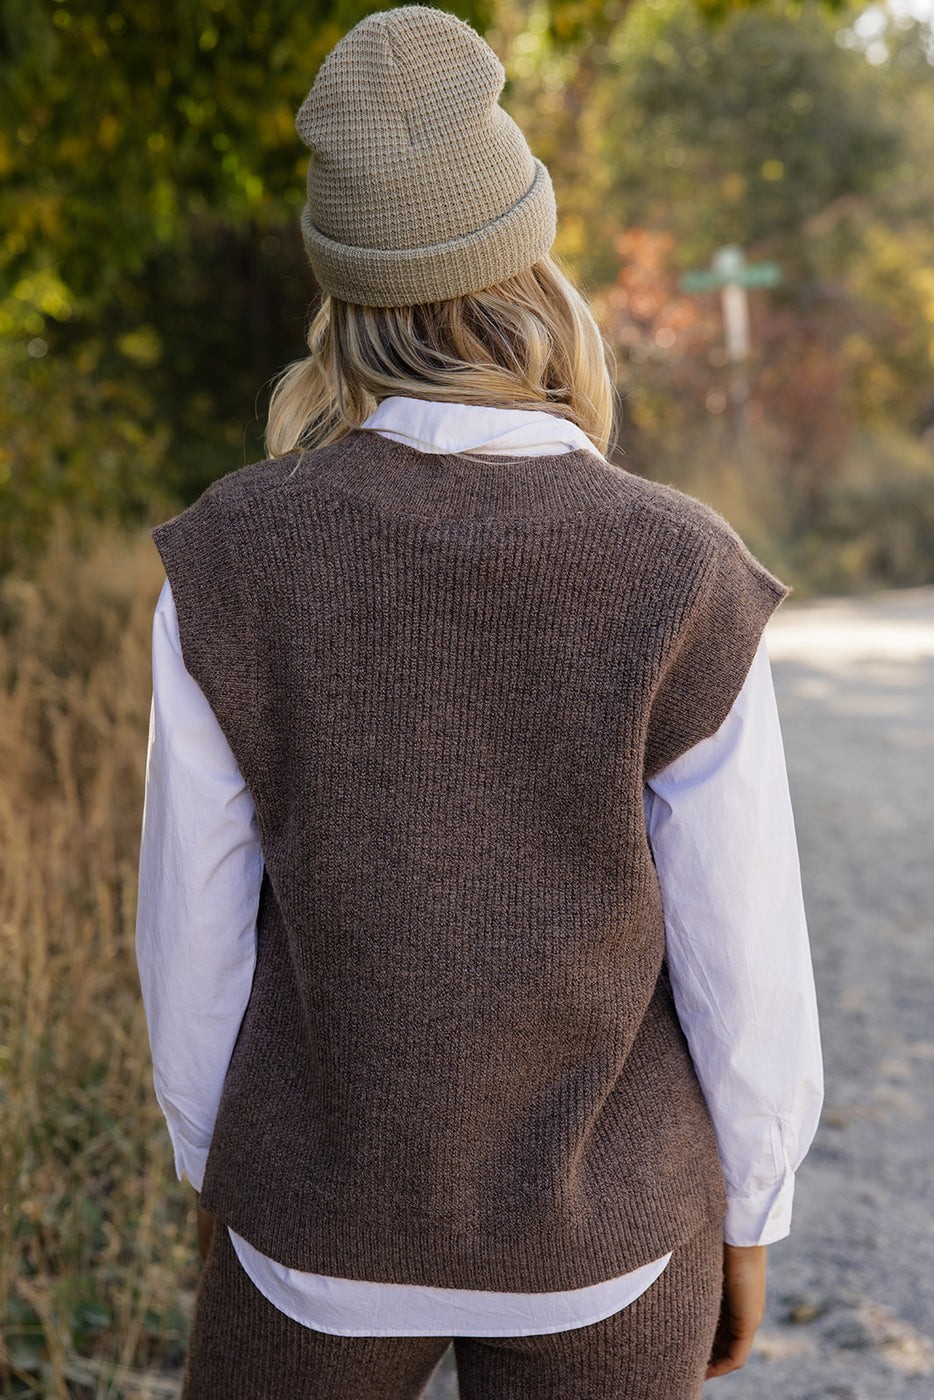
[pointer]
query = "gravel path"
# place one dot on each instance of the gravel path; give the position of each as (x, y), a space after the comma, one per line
(851, 1305)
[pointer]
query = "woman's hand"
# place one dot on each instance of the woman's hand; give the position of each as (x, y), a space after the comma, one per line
(741, 1308)
(206, 1223)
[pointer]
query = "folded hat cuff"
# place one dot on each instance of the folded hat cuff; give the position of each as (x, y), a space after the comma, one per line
(413, 276)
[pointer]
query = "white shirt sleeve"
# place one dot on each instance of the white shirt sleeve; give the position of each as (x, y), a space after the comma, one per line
(201, 868)
(720, 825)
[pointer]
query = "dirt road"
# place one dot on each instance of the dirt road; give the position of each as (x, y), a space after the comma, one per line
(851, 1312)
(851, 1307)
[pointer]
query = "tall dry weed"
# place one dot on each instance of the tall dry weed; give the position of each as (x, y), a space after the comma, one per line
(95, 1236)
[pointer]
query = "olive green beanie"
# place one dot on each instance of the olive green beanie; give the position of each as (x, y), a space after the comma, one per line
(420, 186)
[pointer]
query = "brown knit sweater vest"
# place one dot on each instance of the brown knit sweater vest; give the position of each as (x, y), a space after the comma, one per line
(445, 682)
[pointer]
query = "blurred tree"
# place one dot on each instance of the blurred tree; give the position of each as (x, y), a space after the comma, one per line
(767, 132)
(883, 251)
(77, 443)
(150, 183)
(773, 131)
(571, 64)
(741, 133)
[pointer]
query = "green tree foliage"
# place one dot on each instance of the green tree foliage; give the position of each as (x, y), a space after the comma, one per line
(150, 185)
(883, 249)
(742, 133)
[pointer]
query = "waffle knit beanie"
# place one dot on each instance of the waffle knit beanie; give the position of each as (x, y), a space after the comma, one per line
(420, 186)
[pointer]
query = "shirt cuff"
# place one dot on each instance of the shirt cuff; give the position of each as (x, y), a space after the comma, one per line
(760, 1219)
(190, 1157)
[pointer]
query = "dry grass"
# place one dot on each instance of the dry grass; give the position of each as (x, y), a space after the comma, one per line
(96, 1238)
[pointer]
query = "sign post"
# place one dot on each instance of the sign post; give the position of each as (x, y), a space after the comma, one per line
(730, 273)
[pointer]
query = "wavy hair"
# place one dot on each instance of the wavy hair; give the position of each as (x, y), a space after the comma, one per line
(529, 342)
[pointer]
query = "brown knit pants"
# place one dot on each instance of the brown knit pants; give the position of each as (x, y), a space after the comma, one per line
(242, 1348)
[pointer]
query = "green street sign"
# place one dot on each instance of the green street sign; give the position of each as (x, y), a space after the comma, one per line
(732, 272)
(764, 274)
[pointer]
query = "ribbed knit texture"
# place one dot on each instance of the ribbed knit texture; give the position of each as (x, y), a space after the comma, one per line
(445, 682)
(420, 187)
(656, 1349)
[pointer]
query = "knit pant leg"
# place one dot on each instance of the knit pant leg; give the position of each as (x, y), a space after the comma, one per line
(656, 1349)
(243, 1348)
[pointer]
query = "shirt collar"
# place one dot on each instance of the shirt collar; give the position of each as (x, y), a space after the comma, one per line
(429, 426)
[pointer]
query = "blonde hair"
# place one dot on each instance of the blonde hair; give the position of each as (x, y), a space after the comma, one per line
(529, 342)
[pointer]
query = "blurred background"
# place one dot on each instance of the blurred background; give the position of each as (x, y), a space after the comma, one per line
(152, 278)
(152, 282)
